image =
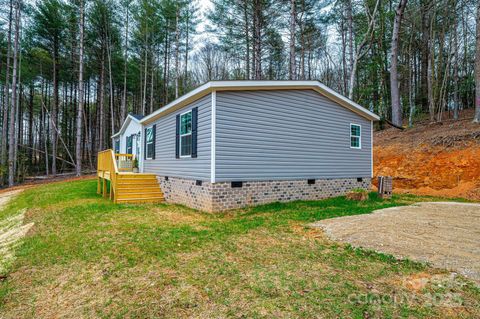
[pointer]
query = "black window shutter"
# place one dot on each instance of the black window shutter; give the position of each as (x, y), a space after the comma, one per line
(177, 137)
(194, 131)
(126, 144)
(145, 145)
(154, 140)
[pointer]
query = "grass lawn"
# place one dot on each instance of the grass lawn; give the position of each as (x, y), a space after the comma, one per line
(85, 257)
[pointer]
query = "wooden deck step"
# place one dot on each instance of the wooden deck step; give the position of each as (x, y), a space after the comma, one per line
(138, 188)
(128, 187)
(144, 188)
(140, 194)
(140, 200)
(136, 176)
(136, 183)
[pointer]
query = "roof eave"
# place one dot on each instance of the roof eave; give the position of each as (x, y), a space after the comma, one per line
(124, 125)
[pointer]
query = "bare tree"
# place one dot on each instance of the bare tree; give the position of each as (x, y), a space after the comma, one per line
(362, 49)
(395, 93)
(78, 149)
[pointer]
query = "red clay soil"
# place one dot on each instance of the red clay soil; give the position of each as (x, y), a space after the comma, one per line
(431, 159)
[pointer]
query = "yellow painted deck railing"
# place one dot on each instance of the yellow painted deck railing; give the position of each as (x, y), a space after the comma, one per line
(125, 162)
(109, 165)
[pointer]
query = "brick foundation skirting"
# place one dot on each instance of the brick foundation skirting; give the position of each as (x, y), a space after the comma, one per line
(222, 196)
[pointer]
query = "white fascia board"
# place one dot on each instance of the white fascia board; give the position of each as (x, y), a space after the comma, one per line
(260, 85)
(370, 115)
(183, 100)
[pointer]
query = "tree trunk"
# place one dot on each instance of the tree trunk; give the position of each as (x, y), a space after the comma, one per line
(30, 124)
(476, 119)
(247, 39)
(177, 52)
(53, 115)
(101, 138)
(6, 104)
(291, 70)
(78, 147)
(257, 20)
(425, 54)
(344, 56)
(456, 101)
(395, 94)
(152, 73)
(144, 94)
(123, 108)
(349, 13)
(110, 84)
(187, 35)
(11, 126)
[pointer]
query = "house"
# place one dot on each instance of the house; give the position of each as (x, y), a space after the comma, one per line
(129, 139)
(229, 144)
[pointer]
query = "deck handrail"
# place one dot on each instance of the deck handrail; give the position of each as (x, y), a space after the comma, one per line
(107, 164)
(124, 161)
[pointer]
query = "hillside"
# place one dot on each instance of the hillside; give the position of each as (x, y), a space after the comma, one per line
(441, 159)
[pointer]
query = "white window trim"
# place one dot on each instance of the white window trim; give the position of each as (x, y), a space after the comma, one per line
(359, 137)
(181, 135)
(146, 143)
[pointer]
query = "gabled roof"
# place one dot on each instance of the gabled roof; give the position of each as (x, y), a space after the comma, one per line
(259, 85)
(137, 116)
(130, 117)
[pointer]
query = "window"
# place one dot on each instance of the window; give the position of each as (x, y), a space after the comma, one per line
(129, 147)
(186, 134)
(117, 146)
(355, 136)
(149, 143)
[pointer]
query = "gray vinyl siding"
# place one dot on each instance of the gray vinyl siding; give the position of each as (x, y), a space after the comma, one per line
(165, 163)
(287, 134)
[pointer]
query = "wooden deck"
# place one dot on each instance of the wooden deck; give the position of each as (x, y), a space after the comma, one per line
(116, 179)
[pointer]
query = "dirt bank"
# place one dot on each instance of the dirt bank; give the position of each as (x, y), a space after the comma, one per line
(431, 159)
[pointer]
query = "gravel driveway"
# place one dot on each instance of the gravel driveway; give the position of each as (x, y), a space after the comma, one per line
(446, 235)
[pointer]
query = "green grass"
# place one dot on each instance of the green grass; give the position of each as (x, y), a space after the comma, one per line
(86, 257)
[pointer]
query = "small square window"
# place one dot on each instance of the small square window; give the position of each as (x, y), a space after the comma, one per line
(355, 136)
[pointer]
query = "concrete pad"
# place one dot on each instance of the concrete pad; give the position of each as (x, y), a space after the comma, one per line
(444, 234)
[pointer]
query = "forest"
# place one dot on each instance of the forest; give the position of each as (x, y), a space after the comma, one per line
(71, 70)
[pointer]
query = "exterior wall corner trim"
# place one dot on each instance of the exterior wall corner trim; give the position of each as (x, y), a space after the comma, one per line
(213, 137)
